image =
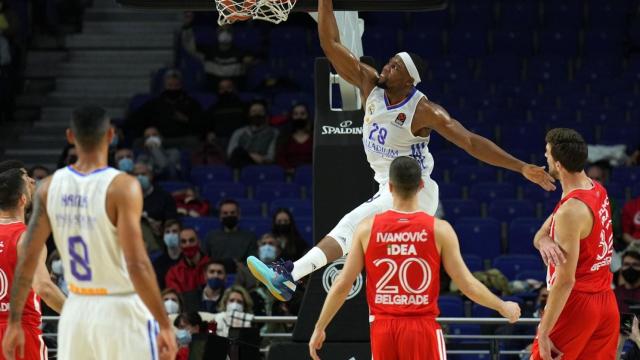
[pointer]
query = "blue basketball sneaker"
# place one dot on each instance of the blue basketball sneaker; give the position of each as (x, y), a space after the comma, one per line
(276, 277)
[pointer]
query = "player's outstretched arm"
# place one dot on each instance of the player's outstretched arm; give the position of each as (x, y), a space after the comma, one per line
(45, 288)
(126, 195)
(346, 64)
(433, 116)
(341, 286)
(569, 222)
(460, 274)
(28, 257)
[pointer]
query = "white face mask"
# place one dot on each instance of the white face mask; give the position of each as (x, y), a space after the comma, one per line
(56, 267)
(171, 306)
(234, 306)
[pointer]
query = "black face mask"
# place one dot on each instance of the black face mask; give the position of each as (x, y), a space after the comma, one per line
(298, 124)
(282, 228)
(172, 94)
(229, 222)
(257, 120)
(631, 275)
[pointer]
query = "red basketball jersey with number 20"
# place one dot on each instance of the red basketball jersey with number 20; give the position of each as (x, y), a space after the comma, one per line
(9, 236)
(403, 265)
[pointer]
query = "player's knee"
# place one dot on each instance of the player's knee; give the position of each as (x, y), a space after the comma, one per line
(335, 246)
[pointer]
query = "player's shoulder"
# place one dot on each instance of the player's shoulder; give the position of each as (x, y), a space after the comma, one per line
(124, 185)
(367, 223)
(572, 211)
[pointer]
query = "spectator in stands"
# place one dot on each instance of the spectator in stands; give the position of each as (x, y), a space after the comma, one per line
(269, 249)
(236, 309)
(631, 221)
(158, 207)
(172, 301)
(69, 156)
(216, 276)
(634, 158)
(285, 230)
(627, 279)
(12, 49)
(210, 152)
(188, 273)
(634, 352)
(174, 113)
(164, 161)
(124, 160)
(189, 325)
(599, 171)
(39, 172)
(187, 40)
(225, 61)
(296, 146)
(255, 143)
(228, 114)
(171, 254)
(230, 243)
(190, 204)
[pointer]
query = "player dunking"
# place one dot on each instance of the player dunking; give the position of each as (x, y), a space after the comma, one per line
(401, 251)
(398, 122)
(15, 197)
(581, 319)
(94, 212)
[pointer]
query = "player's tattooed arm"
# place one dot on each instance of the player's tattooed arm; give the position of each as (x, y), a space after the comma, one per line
(346, 63)
(29, 253)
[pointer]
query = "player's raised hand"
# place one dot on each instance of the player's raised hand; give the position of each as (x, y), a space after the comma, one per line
(550, 251)
(510, 310)
(538, 175)
(167, 347)
(317, 339)
(13, 338)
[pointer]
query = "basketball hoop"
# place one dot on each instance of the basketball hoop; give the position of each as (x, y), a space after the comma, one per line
(275, 11)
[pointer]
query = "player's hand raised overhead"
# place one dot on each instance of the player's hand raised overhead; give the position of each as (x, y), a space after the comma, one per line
(317, 339)
(510, 310)
(538, 175)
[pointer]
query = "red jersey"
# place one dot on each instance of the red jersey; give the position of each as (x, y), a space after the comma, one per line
(403, 265)
(9, 236)
(592, 272)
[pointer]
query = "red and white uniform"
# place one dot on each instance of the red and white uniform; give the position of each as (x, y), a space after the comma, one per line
(589, 324)
(34, 348)
(403, 282)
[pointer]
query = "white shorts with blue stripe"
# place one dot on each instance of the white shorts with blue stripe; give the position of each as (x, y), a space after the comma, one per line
(106, 327)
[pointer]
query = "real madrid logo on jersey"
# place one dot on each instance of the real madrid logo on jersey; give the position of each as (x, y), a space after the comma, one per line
(400, 119)
(371, 108)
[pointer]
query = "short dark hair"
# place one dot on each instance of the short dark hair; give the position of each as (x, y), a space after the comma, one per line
(229, 201)
(419, 63)
(11, 164)
(12, 186)
(405, 175)
(192, 318)
(38, 167)
(216, 262)
(187, 228)
(569, 148)
(171, 222)
(89, 124)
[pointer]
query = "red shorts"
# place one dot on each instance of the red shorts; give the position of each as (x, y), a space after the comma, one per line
(587, 328)
(34, 348)
(406, 338)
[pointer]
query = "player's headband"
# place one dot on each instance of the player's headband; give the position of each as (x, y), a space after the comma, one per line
(411, 67)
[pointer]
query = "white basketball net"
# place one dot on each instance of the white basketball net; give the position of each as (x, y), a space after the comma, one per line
(274, 11)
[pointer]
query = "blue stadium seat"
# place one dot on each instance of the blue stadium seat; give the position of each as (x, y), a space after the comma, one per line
(449, 159)
(467, 42)
(392, 20)
(479, 236)
(414, 41)
(202, 225)
(283, 38)
(509, 209)
(473, 262)
(249, 39)
(469, 89)
(489, 191)
(205, 35)
(540, 275)
(562, 14)
(476, 15)
(635, 190)
(615, 190)
(297, 207)
(548, 206)
(510, 265)
(138, 100)
(555, 116)
(257, 174)
(304, 176)
(171, 186)
(548, 68)
(524, 137)
(604, 14)
(258, 74)
(201, 175)
(468, 175)
(249, 207)
(599, 68)
(271, 191)
(627, 176)
(305, 227)
(520, 14)
(521, 233)
(432, 20)
(449, 190)
(380, 42)
(559, 42)
(467, 329)
(517, 89)
(204, 99)
(451, 68)
(214, 192)
(458, 208)
(502, 66)
(257, 225)
(628, 135)
(451, 306)
(482, 312)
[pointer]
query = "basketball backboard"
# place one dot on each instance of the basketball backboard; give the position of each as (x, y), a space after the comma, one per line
(302, 5)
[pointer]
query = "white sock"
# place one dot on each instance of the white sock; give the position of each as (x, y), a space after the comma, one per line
(310, 262)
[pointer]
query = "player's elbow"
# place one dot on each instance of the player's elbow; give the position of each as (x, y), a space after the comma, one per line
(565, 282)
(137, 267)
(45, 289)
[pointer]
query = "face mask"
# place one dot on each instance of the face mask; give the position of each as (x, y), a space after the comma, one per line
(171, 306)
(114, 141)
(144, 182)
(215, 283)
(190, 251)
(125, 164)
(257, 120)
(171, 240)
(267, 253)
(183, 337)
(230, 222)
(298, 124)
(282, 228)
(56, 267)
(234, 306)
(154, 140)
(631, 275)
